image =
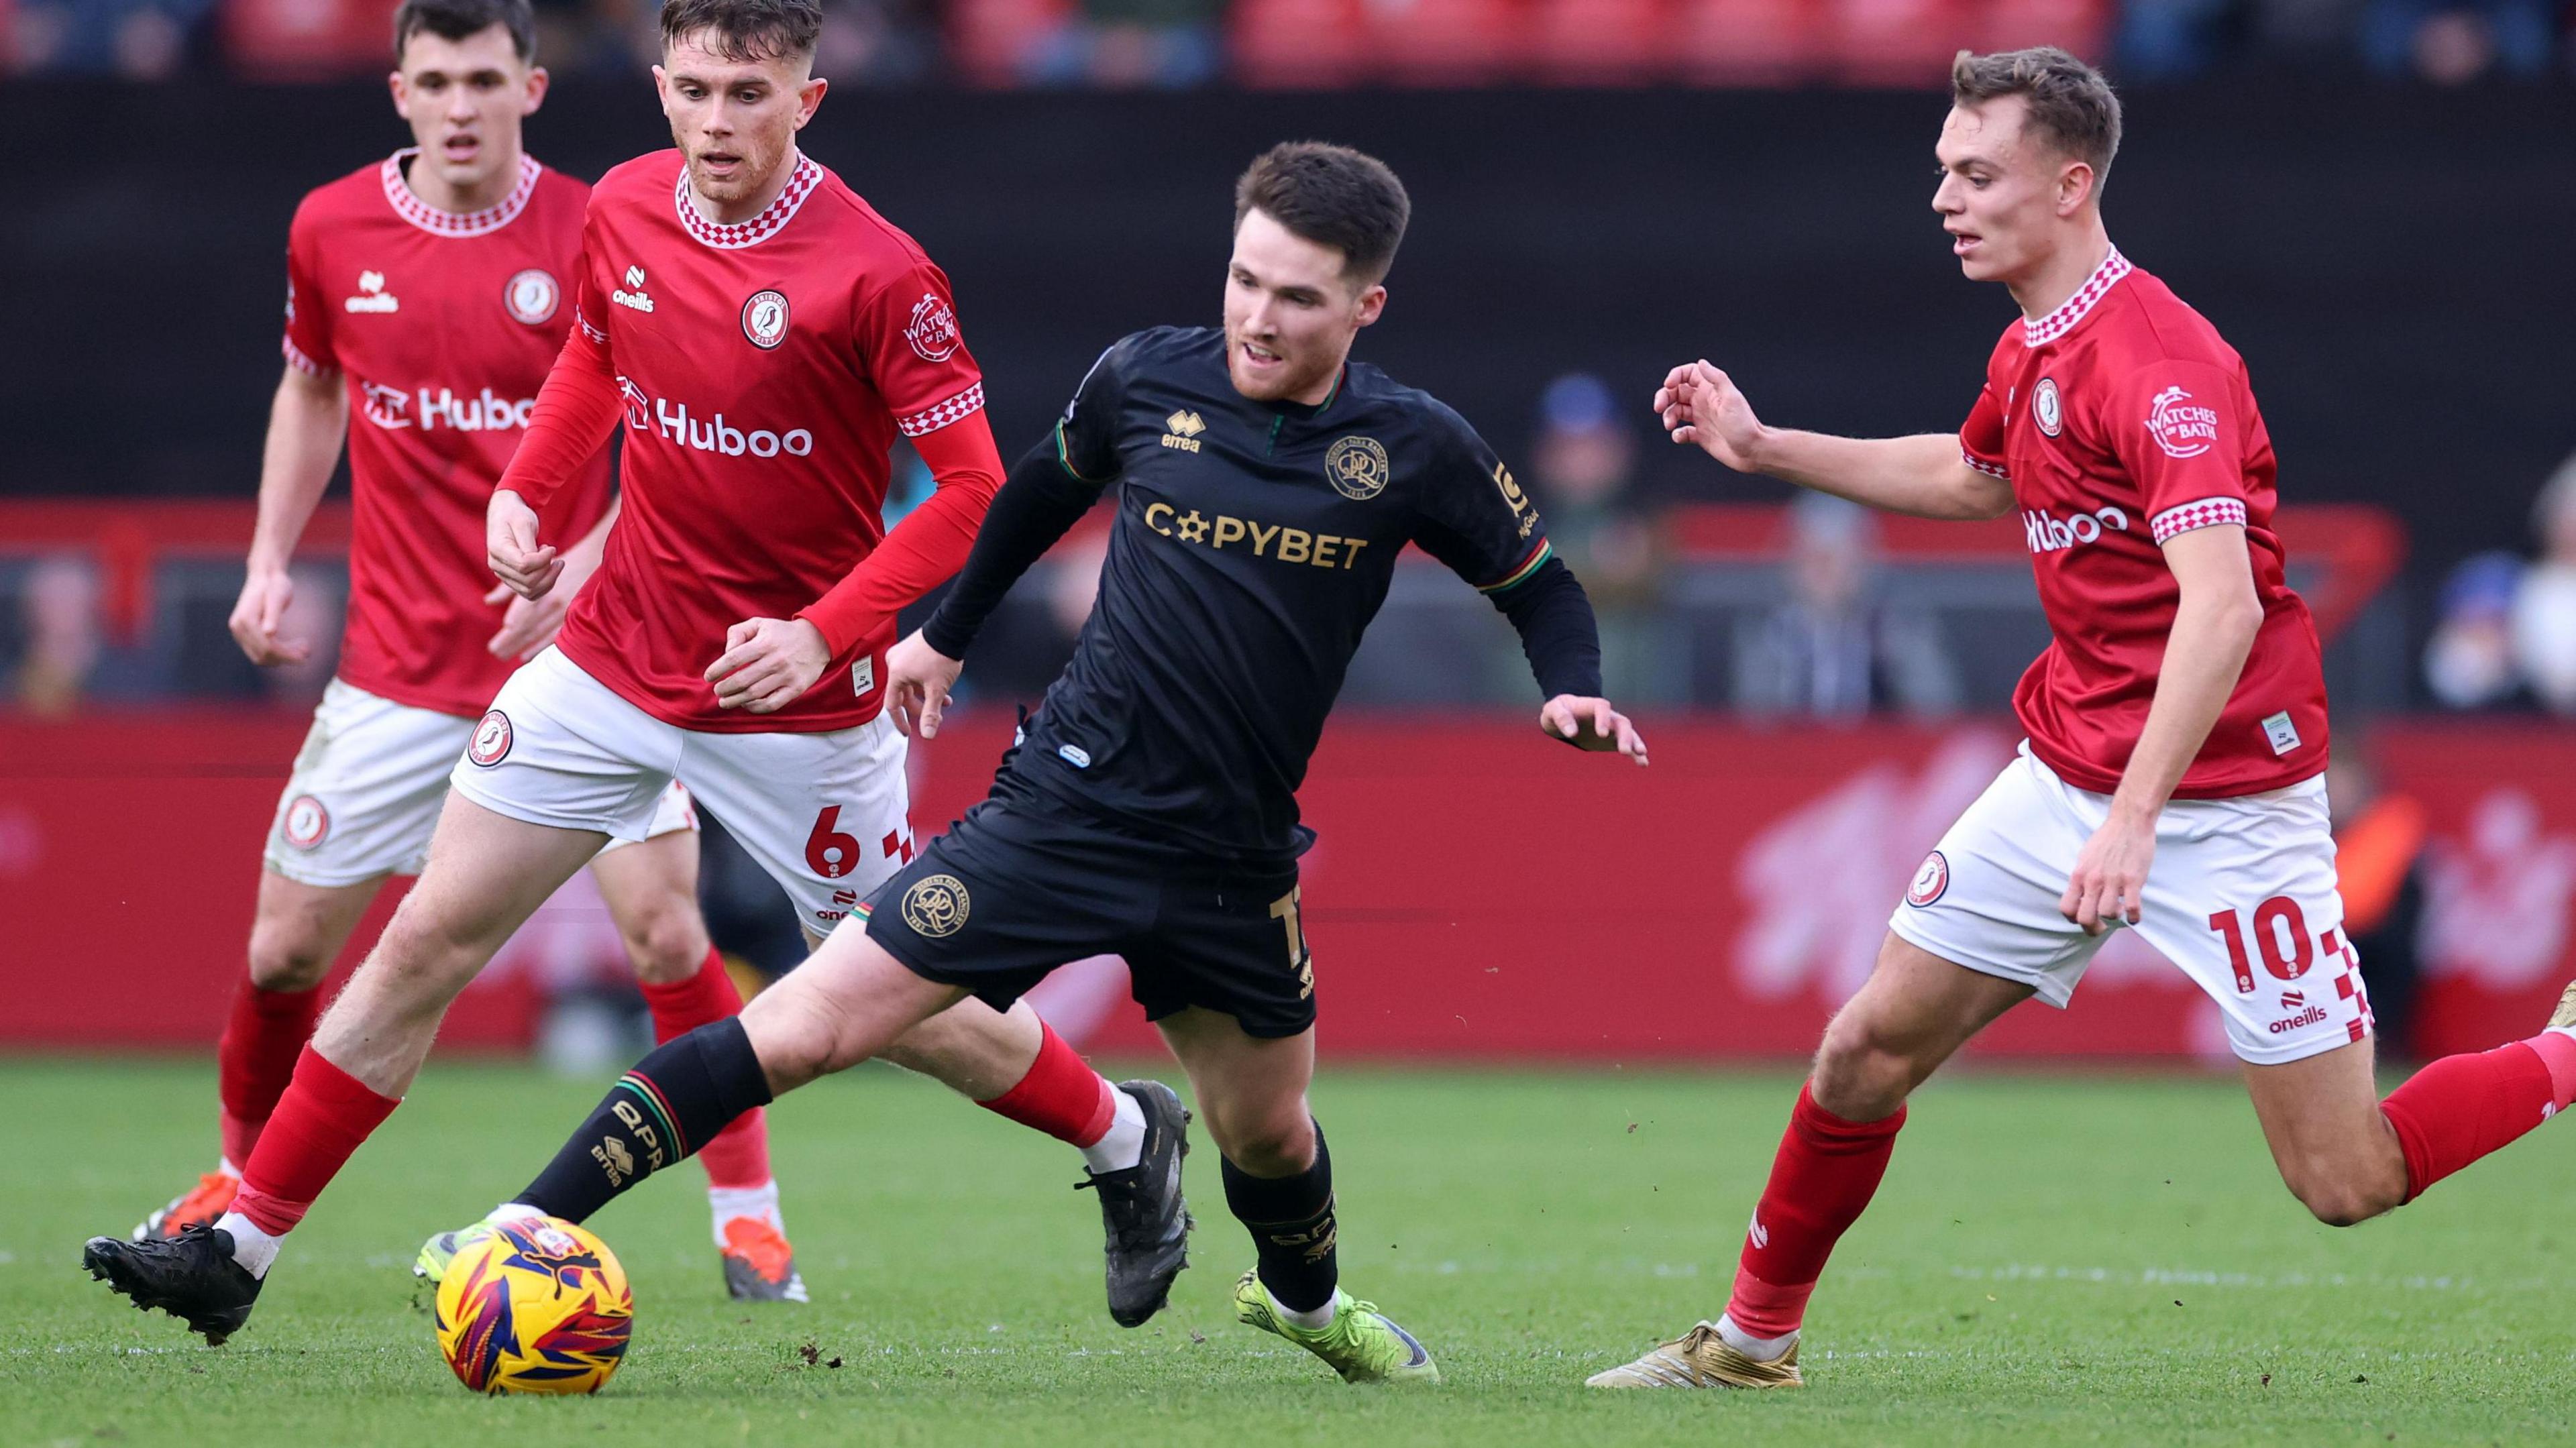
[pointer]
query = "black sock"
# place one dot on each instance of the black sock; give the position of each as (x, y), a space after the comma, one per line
(1291, 1221)
(673, 1102)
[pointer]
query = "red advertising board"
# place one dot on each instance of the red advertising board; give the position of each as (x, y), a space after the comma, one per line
(1478, 892)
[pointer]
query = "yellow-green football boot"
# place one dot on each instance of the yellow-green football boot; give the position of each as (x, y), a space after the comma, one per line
(1361, 1343)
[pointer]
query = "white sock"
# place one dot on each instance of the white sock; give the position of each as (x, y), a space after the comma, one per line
(1312, 1320)
(252, 1248)
(225, 1165)
(2568, 1031)
(1760, 1349)
(729, 1203)
(1123, 1144)
(512, 1212)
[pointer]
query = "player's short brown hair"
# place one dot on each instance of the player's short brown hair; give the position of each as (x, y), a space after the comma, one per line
(1332, 196)
(2070, 103)
(457, 19)
(741, 30)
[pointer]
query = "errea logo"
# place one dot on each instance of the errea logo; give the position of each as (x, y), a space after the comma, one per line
(1182, 429)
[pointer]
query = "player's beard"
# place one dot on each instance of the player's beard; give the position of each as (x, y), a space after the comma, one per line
(1295, 372)
(758, 169)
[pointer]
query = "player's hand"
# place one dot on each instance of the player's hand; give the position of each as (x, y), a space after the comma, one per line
(1591, 724)
(2110, 880)
(529, 624)
(768, 664)
(1702, 406)
(260, 612)
(918, 678)
(510, 543)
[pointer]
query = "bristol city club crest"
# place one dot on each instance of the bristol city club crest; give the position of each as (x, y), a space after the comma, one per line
(2046, 409)
(492, 740)
(933, 329)
(532, 296)
(308, 824)
(764, 319)
(1931, 881)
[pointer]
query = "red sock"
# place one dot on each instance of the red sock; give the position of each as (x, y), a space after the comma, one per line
(1061, 1096)
(255, 1058)
(1823, 1178)
(318, 1123)
(738, 1157)
(2461, 1107)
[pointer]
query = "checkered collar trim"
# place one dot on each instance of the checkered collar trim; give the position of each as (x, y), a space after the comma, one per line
(409, 206)
(758, 229)
(2097, 286)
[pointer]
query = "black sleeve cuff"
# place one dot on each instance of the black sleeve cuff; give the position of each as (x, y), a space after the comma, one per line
(1038, 504)
(1558, 634)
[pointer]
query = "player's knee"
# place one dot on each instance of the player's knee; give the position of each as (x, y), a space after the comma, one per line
(2342, 1196)
(1862, 1072)
(1268, 1141)
(287, 956)
(667, 944)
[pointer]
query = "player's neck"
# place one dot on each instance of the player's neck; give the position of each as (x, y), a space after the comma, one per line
(435, 192)
(2063, 274)
(737, 212)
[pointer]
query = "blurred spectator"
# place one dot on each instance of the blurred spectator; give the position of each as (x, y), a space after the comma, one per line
(2453, 42)
(1126, 44)
(2168, 39)
(1582, 464)
(878, 42)
(2469, 662)
(60, 602)
(1833, 649)
(2544, 606)
(134, 39)
(2379, 866)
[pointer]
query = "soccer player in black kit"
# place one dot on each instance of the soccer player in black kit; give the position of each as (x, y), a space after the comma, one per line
(1149, 809)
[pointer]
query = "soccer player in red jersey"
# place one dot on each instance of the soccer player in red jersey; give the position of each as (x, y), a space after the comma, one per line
(2177, 721)
(427, 297)
(764, 336)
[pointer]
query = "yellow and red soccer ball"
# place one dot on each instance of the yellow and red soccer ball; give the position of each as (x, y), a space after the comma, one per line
(534, 1306)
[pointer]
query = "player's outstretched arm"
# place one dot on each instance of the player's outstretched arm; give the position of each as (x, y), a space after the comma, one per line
(926, 549)
(306, 424)
(1923, 475)
(531, 624)
(576, 411)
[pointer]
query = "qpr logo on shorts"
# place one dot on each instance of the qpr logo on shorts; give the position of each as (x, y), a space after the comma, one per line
(308, 824)
(1931, 882)
(936, 906)
(532, 296)
(764, 319)
(492, 740)
(933, 329)
(2045, 407)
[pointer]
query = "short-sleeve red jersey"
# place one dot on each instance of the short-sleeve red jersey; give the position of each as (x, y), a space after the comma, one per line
(2122, 419)
(443, 325)
(767, 368)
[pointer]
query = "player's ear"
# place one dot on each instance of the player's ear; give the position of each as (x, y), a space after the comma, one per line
(2074, 187)
(1372, 304)
(401, 93)
(536, 96)
(809, 96)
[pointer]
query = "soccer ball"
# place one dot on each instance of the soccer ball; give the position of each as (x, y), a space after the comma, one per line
(534, 1306)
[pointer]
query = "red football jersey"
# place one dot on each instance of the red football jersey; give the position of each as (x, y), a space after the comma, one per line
(767, 368)
(444, 326)
(2122, 419)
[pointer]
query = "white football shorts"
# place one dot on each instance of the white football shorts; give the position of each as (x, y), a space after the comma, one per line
(367, 786)
(827, 815)
(2241, 895)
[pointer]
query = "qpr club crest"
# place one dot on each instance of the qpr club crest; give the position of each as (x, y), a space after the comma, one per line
(1931, 881)
(936, 906)
(764, 319)
(2045, 407)
(532, 296)
(933, 329)
(492, 740)
(308, 824)
(1357, 468)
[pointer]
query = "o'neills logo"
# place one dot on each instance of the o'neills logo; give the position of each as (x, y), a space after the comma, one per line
(2312, 1016)
(2046, 534)
(2182, 427)
(671, 420)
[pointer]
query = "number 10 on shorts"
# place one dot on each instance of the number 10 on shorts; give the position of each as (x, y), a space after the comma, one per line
(2280, 935)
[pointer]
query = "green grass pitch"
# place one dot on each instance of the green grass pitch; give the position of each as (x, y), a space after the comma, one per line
(2053, 1259)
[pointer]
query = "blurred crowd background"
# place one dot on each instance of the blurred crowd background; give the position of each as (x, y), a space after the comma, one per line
(1185, 43)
